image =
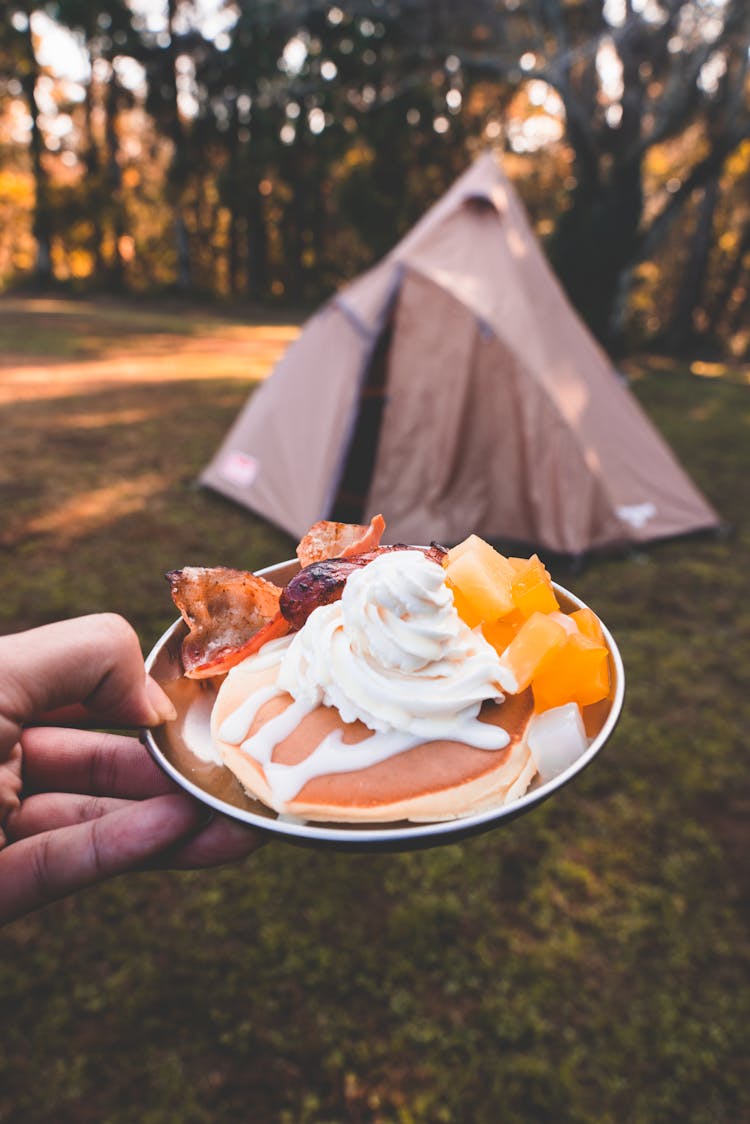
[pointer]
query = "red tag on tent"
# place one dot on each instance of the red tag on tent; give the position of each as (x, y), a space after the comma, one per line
(238, 468)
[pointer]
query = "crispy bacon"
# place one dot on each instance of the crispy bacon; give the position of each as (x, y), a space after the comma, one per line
(232, 613)
(229, 613)
(339, 540)
(323, 582)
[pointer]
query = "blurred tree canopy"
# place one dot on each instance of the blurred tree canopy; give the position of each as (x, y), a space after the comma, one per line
(270, 149)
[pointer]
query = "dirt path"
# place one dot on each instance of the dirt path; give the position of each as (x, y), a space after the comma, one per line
(53, 348)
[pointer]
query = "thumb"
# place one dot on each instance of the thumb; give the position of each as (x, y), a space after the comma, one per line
(95, 661)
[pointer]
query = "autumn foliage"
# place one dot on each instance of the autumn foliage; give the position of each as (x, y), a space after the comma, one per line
(270, 152)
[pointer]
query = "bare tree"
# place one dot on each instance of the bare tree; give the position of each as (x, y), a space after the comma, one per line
(630, 78)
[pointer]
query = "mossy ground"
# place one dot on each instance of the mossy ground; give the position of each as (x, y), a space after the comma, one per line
(587, 963)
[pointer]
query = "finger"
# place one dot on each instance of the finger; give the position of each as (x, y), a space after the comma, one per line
(94, 660)
(86, 761)
(223, 841)
(45, 867)
(76, 714)
(10, 786)
(51, 810)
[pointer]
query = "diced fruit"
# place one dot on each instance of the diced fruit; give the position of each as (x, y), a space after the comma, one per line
(556, 739)
(531, 588)
(570, 626)
(577, 672)
(529, 651)
(457, 550)
(500, 633)
(562, 656)
(483, 579)
(588, 625)
(465, 608)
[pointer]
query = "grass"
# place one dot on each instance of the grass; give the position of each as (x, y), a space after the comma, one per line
(586, 964)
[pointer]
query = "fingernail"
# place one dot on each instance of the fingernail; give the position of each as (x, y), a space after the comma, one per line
(161, 704)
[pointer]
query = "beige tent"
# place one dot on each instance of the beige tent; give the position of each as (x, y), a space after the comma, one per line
(453, 388)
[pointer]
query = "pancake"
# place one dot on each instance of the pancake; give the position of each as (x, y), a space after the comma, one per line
(435, 780)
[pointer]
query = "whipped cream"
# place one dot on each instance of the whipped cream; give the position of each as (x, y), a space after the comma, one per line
(394, 653)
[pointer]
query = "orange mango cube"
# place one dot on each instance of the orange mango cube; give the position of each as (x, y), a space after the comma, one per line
(457, 550)
(465, 608)
(531, 588)
(482, 579)
(500, 633)
(578, 672)
(588, 624)
(530, 650)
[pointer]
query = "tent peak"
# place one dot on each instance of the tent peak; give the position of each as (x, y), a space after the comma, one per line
(483, 181)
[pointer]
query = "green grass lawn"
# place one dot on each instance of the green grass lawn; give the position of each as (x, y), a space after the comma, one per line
(588, 963)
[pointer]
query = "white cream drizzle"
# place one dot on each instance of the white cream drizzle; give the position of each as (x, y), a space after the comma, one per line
(333, 755)
(393, 654)
(234, 728)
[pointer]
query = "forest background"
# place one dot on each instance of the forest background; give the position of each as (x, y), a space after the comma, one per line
(270, 150)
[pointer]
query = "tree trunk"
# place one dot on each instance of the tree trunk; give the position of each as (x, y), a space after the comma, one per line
(729, 282)
(257, 246)
(182, 245)
(232, 198)
(179, 168)
(42, 223)
(93, 172)
(114, 178)
(294, 224)
(593, 246)
(682, 331)
(737, 315)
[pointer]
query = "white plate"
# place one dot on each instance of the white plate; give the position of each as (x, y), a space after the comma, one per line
(218, 787)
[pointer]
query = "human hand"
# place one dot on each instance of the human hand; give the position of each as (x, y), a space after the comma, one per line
(78, 806)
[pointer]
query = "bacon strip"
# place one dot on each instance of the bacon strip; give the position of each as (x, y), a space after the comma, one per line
(229, 614)
(323, 582)
(339, 540)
